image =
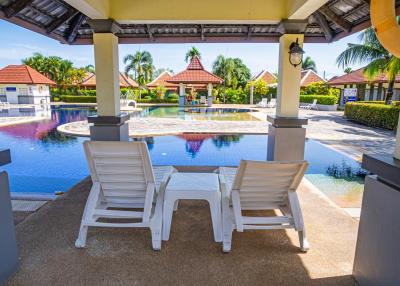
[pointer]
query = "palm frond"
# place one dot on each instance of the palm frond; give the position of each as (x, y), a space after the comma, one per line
(358, 54)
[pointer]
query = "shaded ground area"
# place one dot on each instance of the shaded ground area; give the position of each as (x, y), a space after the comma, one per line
(124, 256)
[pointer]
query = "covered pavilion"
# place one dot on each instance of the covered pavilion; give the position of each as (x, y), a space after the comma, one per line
(107, 23)
(195, 77)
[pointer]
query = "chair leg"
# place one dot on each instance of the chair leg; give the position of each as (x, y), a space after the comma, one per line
(304, 245)
(87, 214)
(156, 237)
(227, 240)
(215, 209)
(81, 240)
(176, 205)
(167, 218)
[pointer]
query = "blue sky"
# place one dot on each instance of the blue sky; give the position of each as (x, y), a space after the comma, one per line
(18, 43)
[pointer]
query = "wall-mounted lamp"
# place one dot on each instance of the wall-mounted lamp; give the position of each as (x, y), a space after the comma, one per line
(295, 53)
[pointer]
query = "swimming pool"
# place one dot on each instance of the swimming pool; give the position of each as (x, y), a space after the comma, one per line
(196, 113)
(45, 161)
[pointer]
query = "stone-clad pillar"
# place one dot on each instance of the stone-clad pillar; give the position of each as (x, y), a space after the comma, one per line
(209, 94)
(286, 134)
(109, 124)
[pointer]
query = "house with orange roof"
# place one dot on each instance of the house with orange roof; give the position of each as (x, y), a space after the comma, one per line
(124, 81)
(308, 77)
(21, 84)
(365, 88)
(162, 80)
(266, 76)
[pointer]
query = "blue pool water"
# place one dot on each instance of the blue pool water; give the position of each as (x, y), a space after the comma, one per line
(45, 161)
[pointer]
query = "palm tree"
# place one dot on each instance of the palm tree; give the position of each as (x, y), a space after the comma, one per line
(141, 64)
(378, 59)
(309, 64)
(90, 68)
(348, 70)
(224, 68)
(193, 52)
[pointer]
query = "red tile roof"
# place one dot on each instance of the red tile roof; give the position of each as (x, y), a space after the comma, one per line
(124, 81)
(23, 74)
(195, 73)
(308, 77)
(161, 80)
(358, 77)
(266, 76)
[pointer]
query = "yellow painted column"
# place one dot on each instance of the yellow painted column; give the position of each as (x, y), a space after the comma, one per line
(397, 148)
(288, 78)
(107, 74)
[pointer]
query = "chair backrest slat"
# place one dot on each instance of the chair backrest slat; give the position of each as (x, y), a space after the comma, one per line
(264, 182)
(123, 169)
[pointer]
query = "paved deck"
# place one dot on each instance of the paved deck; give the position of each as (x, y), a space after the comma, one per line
(353, 139)
(124, 256)
(149, 126)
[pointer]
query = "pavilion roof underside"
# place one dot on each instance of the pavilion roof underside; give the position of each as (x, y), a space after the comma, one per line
(57, 19)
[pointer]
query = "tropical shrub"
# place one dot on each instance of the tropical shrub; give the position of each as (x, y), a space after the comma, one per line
(236, 96)
(78, 98)
(374, 115)
(172, 96)
(156, 100)
(320, 88)
(321, 99)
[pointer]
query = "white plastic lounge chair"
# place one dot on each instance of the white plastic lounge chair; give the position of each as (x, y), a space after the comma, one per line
(272, 103)
(262, 186)
(311, 105)
(123, 179)
(263, 103)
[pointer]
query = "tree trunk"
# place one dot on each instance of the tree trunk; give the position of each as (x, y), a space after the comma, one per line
(389, 92)
(140, 93)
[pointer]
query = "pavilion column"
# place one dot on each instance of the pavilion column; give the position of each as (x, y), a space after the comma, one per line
(286, 135)
(209, 94)
(182, 94)
(252, 94)
(109, 124)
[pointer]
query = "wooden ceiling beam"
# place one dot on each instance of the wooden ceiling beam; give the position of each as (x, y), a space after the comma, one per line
(16, 7)
(341, 22)
(203, 38)
(324, 25)
(60, 21)
(148, 28)
(75, 24)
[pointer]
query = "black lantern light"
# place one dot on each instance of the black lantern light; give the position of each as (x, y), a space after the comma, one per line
(295, 54)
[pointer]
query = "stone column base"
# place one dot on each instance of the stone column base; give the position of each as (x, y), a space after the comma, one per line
(109, 128)
(181, 101)
(376, 261)
(286, 138)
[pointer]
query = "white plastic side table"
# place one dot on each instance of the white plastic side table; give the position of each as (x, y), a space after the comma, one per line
(193, 186)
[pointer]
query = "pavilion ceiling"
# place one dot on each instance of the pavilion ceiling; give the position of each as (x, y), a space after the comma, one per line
(58, 20)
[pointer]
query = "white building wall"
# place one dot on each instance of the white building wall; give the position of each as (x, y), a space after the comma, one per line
(24, 93)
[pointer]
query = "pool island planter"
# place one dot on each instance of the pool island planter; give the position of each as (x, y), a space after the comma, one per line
(323, 107)
(377, 255)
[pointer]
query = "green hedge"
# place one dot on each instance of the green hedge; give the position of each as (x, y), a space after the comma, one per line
(157, 100)
(321, 99)
(78, 98)
(374, 115)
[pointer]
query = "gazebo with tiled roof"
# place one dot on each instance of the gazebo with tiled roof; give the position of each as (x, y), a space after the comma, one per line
(195, 76)
(162, 80)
